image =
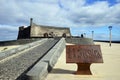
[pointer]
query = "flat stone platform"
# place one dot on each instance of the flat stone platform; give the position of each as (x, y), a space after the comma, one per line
(109, 70)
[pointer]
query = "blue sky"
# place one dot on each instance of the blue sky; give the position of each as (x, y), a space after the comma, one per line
(82, 16)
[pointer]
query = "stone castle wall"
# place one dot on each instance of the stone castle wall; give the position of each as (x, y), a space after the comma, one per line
(38, 31)
(24, 32)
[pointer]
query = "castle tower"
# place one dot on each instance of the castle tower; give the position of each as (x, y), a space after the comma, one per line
(31, 21)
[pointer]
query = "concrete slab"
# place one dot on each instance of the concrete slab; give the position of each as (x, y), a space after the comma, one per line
(109, 70)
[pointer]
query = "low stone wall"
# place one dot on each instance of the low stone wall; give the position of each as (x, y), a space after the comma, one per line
(13, 51)
(38, 72)
(83, 41)
(45, 65)
(17, 42)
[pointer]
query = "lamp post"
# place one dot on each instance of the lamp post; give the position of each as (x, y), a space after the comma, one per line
(92, 34)
(110, 35)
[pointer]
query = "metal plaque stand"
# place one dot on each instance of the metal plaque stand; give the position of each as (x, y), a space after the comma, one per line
(83, 69)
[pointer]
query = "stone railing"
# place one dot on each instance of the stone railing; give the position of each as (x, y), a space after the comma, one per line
(45, 65)
(17, 42)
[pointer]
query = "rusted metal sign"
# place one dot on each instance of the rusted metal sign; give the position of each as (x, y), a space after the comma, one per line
(83, 54)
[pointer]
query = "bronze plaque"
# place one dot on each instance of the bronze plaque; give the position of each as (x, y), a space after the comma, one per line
(83, 54)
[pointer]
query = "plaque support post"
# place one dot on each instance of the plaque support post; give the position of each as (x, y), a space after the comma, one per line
(83, 69)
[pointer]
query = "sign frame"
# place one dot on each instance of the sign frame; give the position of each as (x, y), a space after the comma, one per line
(83, 54)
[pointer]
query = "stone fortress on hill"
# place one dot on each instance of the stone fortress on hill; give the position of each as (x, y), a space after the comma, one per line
(40, 31)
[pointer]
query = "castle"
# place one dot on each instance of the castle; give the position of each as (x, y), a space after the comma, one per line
(41, 31)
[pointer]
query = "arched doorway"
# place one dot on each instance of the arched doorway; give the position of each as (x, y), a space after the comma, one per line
(45, 35)
(64, 35)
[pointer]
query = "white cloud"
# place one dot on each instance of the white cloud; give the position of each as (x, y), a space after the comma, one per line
(8, 32)
(117, 0)
(8, 27)
(97, 14)
(70, 13)
(59, 12)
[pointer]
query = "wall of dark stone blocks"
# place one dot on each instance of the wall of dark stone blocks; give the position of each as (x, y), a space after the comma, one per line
(23, 34)
(82, 41)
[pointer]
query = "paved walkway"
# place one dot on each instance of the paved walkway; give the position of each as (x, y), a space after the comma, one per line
(109, 70)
